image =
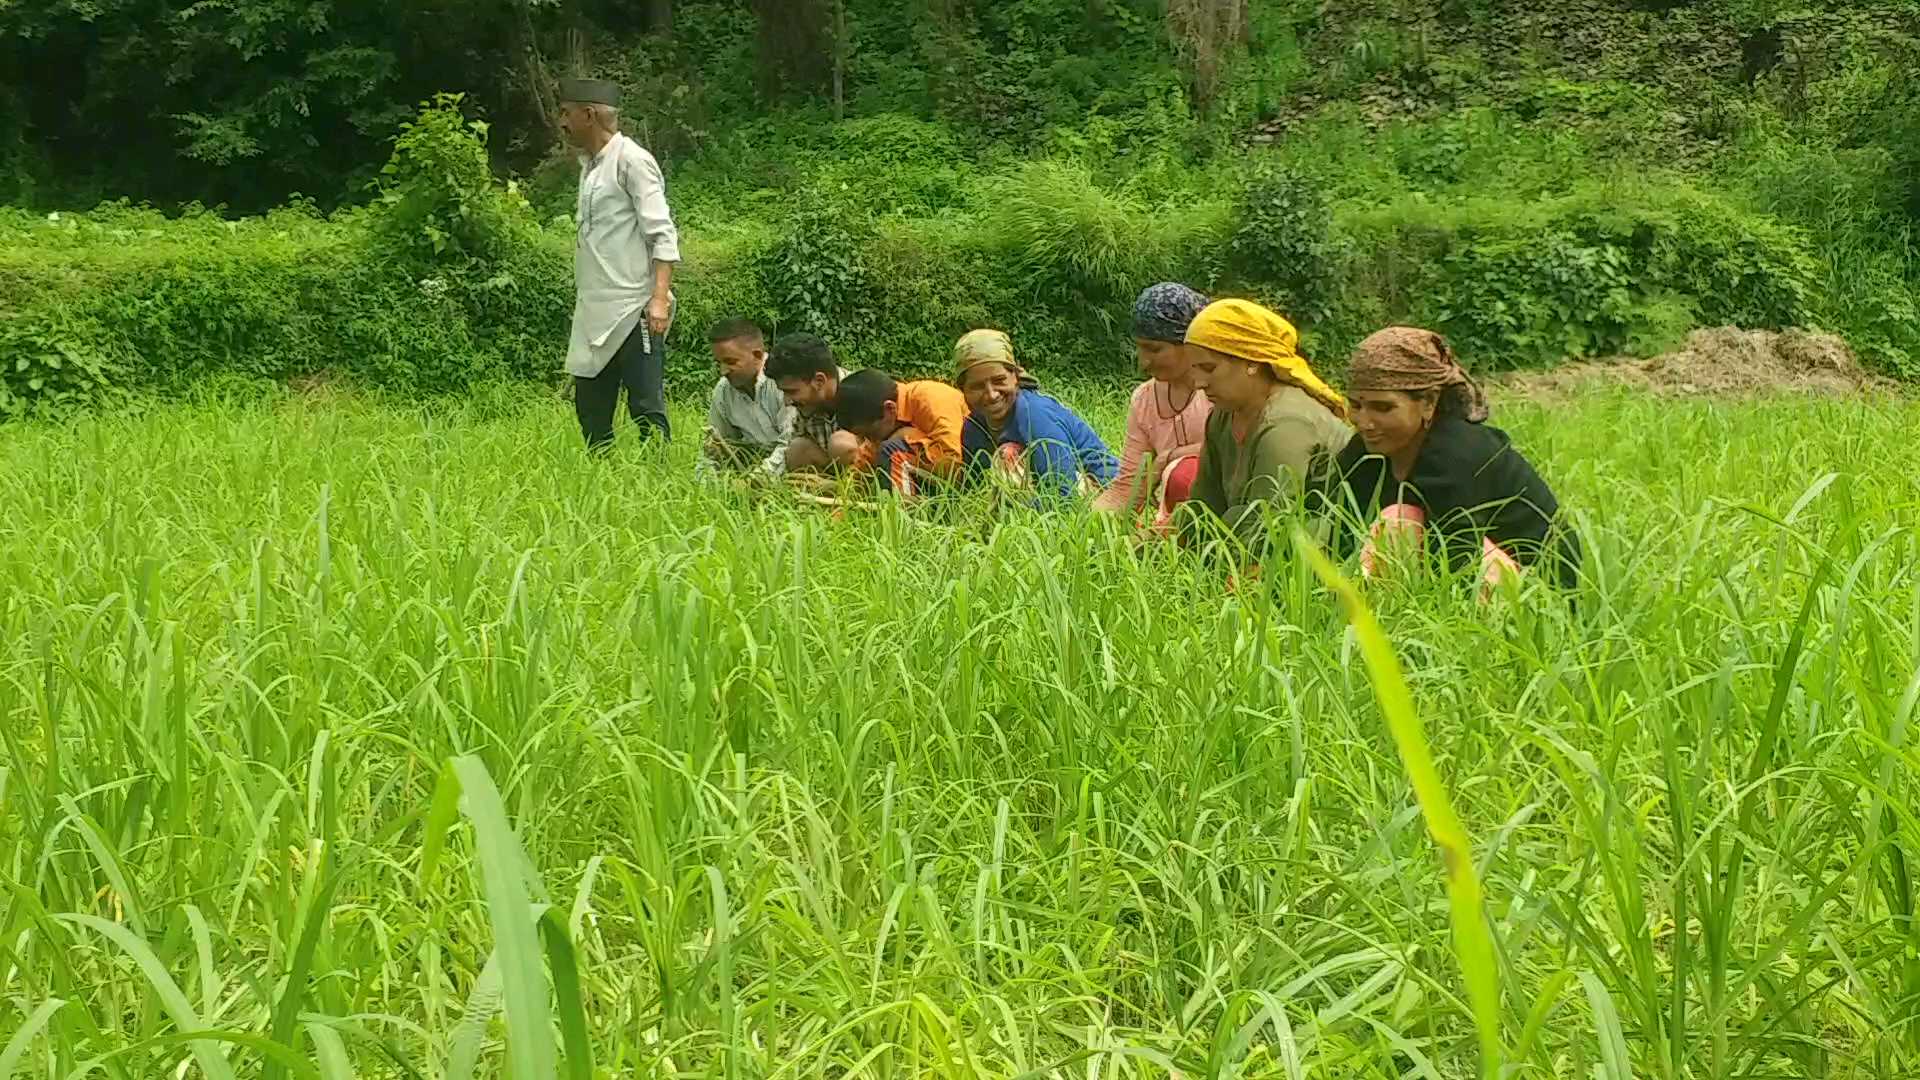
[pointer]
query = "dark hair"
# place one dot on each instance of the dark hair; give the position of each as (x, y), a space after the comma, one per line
(801, 356)
(863, 397)
(735, 329)
(1454, 402)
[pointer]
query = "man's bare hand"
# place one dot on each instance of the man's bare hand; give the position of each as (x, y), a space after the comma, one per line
(659, 314)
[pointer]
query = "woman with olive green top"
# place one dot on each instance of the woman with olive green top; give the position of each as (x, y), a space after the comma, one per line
(1275, 427)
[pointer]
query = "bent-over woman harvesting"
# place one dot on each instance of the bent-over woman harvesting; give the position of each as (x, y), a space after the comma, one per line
(1426, 469)
(1275, 426)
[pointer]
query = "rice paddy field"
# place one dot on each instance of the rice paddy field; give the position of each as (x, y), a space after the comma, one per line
(349, 739)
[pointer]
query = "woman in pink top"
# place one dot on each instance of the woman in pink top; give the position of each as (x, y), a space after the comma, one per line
(1168, 415)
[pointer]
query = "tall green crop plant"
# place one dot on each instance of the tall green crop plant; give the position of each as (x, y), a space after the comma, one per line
(1472, 943)
(743, 786)
(522, 929)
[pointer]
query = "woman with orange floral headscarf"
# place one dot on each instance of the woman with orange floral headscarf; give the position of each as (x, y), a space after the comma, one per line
(1275, 426)
(1426, 467)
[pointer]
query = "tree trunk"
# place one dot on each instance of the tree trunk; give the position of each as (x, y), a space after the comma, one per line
(659, 17)
(795, 46)
(839, 59)
(1207, 34)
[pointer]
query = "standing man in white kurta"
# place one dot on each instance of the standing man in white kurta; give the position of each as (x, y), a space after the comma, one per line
(622, 268)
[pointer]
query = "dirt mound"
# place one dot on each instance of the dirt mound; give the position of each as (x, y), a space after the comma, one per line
(1727, 361)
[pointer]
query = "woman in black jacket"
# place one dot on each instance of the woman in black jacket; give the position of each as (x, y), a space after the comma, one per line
(1428, 471)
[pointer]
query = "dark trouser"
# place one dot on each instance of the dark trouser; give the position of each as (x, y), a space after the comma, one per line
(643, 372)
(901, 467)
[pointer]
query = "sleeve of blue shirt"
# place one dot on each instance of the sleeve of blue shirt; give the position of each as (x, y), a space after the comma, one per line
(1060, 445)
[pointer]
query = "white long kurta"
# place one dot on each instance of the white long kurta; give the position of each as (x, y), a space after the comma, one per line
(625, 227)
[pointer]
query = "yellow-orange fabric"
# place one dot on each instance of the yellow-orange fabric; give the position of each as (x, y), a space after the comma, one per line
(1244, 329)
(936, 414)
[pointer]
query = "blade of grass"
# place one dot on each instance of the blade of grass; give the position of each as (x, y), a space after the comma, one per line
(483, 1000)
(503, 882)
(212, 1061)
(1614, 1063)
(331, 1051)
(1473, 942)
(577, 1051)
(16, 1047)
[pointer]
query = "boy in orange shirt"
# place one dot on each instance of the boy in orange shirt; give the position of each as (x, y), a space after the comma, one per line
(912, 428)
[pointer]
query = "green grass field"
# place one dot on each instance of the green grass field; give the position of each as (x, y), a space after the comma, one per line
(349, 740)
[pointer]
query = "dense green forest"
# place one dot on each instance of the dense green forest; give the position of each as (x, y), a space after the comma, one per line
(1540, 180)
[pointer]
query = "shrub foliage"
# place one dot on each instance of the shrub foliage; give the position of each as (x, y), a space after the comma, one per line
(1538, 181)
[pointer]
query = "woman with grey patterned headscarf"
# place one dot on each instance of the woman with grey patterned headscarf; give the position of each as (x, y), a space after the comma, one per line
(1168, 415)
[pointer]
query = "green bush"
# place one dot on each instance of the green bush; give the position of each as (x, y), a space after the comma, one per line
(1874, 101)
(1071, 238)
(1073, 243)
(1741, 268)
(1283, 237)
(1848, 174)
(438, 198)
(1603, 271)
(55, 360)
(125, 298)
(937, 283)
(816, 273)
(892, 164)
(443, 281)
(1536, 298)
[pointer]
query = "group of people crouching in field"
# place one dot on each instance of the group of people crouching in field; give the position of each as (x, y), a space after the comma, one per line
(1231, 424)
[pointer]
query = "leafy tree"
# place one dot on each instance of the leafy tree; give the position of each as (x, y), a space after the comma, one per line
(795, 46)
(258, 96)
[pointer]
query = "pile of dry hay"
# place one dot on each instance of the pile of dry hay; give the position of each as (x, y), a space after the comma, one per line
(1726, 361)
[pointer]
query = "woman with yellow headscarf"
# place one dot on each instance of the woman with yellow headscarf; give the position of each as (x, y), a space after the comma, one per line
(1275, 427)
